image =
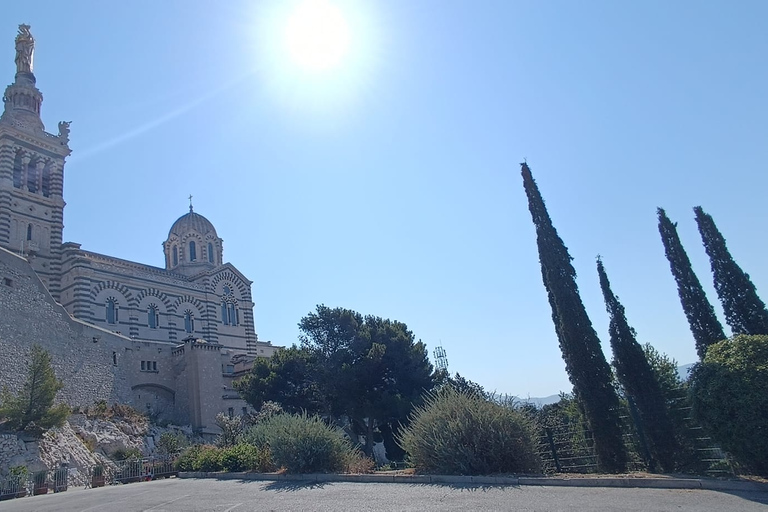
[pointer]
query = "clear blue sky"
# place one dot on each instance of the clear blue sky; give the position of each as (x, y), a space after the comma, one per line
(392, 185)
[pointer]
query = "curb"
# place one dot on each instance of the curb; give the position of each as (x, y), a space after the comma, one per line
(654, 483)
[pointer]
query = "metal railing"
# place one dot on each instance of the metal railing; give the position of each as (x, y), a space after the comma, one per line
(60, 479)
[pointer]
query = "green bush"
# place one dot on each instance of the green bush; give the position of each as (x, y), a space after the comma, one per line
(185, 461)
(171, 443)
(246, 457)
(200, 458)
(303, 444)
(729, 399)
(458, 432)
(127, 454)
(209, 459)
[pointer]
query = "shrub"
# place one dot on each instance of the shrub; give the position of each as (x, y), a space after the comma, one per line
(246, 457)
(729, 400)
(208, 459)
(303, 444)
(231, 430)
(171, 443)
(458, 432)
(186, 460)
(127, 454)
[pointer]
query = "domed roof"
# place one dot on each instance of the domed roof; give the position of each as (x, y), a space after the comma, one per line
(192, 222)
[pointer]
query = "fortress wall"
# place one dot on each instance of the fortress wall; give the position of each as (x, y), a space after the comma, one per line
(93, 363)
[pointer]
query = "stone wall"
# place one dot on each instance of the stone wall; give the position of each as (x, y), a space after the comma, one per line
(90, 361)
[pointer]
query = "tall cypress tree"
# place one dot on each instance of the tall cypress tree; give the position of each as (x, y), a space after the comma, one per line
(585, 363)
(705, 326)
(638, 380)
(744, 310)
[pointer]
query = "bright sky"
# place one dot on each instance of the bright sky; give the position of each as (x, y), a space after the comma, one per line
(380, 173)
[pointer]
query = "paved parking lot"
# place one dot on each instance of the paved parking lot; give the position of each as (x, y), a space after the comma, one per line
(192, 495)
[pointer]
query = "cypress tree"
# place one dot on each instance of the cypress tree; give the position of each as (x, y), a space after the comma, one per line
(744, 310)
(585, 362)
(638, 380)
(705, 326)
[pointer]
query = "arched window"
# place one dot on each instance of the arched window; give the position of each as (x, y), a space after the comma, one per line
(175, 256)
(192, 251)
(29, 231)
(153, 316)
(47, 180)
(224, 313)
(17, 168)
(32, 177)
(210, 252)
(112, 311)
(232, 314)
(189, 321)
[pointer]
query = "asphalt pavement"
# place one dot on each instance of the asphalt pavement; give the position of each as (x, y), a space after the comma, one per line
(197, 495)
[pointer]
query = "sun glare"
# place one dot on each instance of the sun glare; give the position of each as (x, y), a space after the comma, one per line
(317, 35)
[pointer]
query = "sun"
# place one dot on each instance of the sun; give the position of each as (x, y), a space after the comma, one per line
(317, 35)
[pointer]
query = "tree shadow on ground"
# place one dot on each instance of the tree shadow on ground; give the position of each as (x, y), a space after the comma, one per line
(293, 485)
(468, 487)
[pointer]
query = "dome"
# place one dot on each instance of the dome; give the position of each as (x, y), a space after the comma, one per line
(192, 222)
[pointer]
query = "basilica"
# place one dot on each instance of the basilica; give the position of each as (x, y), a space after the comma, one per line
(197, 303)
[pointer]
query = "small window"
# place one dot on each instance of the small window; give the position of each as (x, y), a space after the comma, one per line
(189, 321)
(192, 251)
(29, 232)
(175, 256)
(143, 365)
(153, 317)
(227, 290)
(112, 311)
(224, 313)
(154, 366)
(231, 411)
(7, 281)
(114, 358)
(210, 252)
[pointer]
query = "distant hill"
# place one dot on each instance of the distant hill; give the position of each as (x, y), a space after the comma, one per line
(682, 371)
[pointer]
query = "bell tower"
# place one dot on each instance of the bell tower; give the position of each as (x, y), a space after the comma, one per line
(31, 172)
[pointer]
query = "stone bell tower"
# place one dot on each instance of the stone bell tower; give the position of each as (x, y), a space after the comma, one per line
(31, 172)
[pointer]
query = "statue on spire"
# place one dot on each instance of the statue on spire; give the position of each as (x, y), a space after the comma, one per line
(25, 49)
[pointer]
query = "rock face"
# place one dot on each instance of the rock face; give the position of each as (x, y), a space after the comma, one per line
(82, 443)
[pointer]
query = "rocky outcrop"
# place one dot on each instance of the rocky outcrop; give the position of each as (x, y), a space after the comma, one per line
(81, 443)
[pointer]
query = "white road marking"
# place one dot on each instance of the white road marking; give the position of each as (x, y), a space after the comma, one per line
(230, 509)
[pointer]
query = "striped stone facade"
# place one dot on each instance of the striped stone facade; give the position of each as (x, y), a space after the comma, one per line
(166, 340)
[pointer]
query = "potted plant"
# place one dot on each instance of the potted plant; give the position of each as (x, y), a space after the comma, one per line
(97, 478)
(40, 483)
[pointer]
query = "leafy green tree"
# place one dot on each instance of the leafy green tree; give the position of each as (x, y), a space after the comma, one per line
(638, 380)
(289, 377)
(460, 384)
(744, 311)
(370, 369)
(705, 326)
(585, 362)
(729, 399)
(32, 408)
